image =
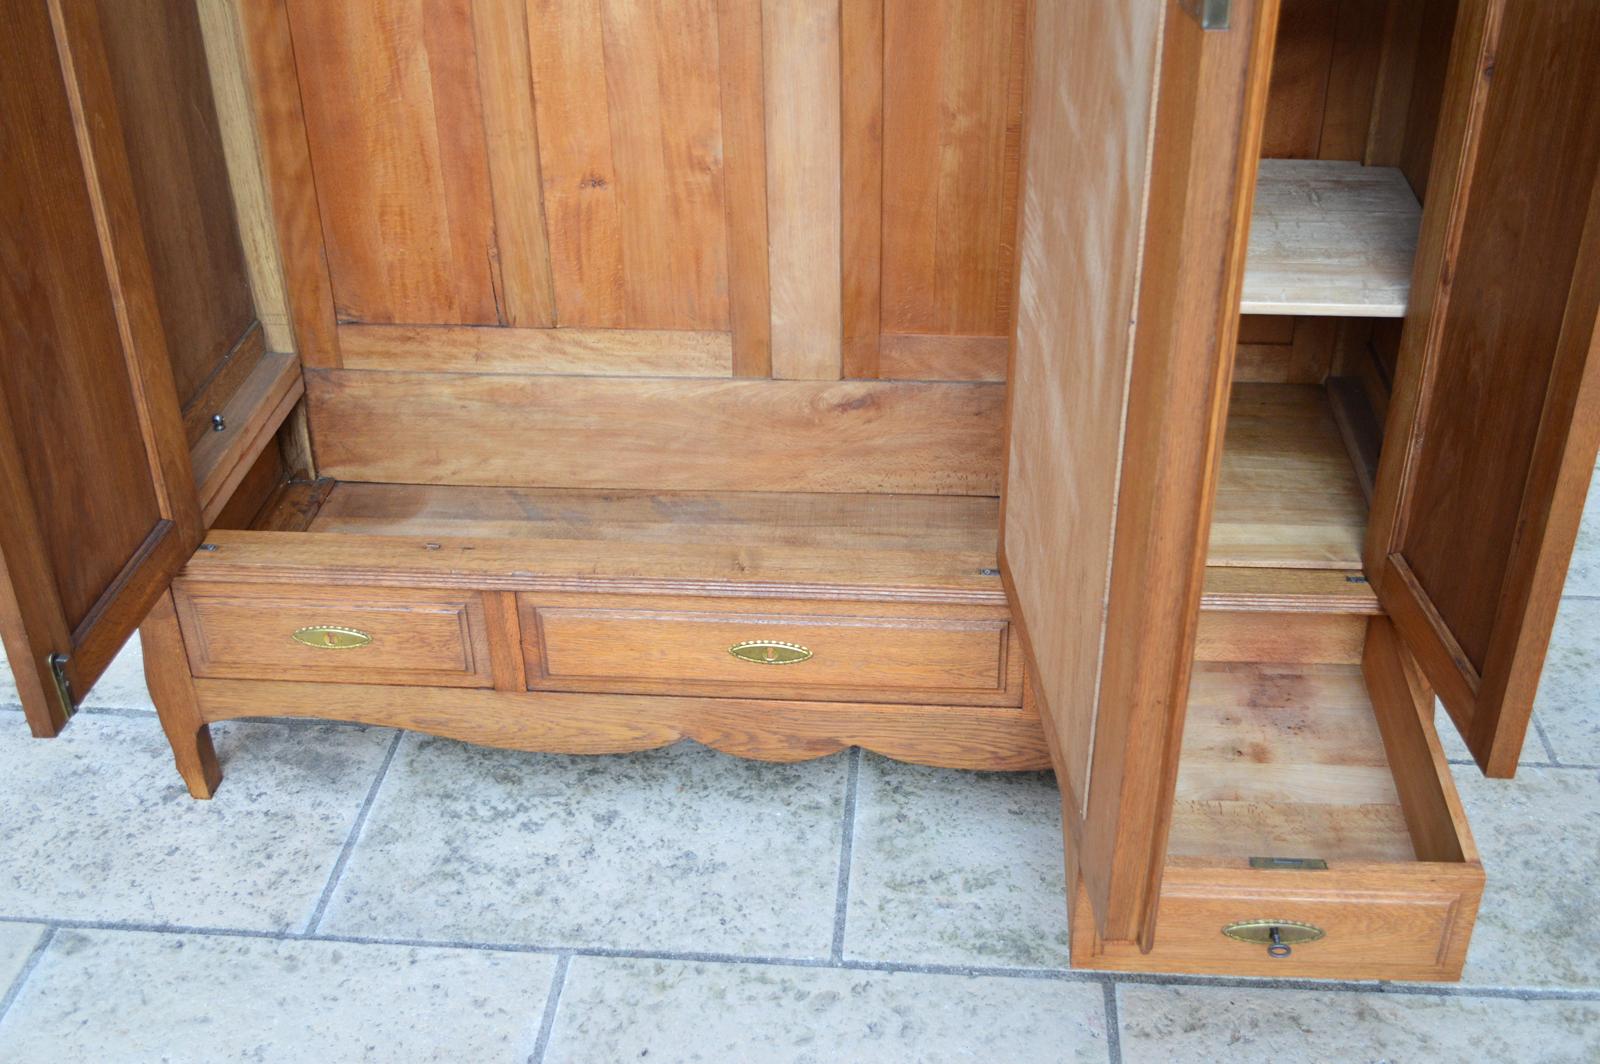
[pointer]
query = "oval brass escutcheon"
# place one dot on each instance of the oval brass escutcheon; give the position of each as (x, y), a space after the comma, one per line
(332, 637)
(1277, 935)
(770, 652)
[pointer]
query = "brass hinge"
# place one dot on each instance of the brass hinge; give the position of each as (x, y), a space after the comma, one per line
(1211, 14)
(63, 686)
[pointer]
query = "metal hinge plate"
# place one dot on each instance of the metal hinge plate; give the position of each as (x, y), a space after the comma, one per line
(63, 686)
(1211, 14)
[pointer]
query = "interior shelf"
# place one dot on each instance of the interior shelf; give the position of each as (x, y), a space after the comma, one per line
(1288, 496)
(1330, 238)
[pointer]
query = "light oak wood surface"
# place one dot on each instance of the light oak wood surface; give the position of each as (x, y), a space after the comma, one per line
(944, 736)
(1288, 495)
(1330, 238)
(658, 433)
(567, 351)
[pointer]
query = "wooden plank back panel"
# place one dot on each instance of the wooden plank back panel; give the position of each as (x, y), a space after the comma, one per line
(952, 130)
(658, 433)
(1082, 217)
(180, 176)
(395, 127)
(804, 167)
(628, 97)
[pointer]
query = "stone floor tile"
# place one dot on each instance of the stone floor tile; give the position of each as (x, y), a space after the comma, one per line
(679, 849)
(1201, 1024)
(97, 824)
(1539, 838)
(674, 1011)
(122, 685)
(956, 867)
(17, 943)
(1583, 575)
(1568, 705)
(131, 997)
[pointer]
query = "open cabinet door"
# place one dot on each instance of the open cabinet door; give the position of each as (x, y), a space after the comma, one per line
(97, 503)
(1142, 135)
(1493, 428)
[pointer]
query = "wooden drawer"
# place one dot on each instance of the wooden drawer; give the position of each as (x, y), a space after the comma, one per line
(1377, 921)
(847, 652)
(276, 632)
(1311, 790)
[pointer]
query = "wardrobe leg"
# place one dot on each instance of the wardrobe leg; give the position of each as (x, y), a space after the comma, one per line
(166, 670)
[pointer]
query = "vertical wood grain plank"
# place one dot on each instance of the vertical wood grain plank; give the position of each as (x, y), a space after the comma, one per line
(744, 175)
(664, 94)
(913, 97)
(252, 203)
(505, 82)
(395, 127)
(801, 50)
(861, 48)
(969, 274)
(275, 100)
(580, 177)
(504, 635)
(166, 671)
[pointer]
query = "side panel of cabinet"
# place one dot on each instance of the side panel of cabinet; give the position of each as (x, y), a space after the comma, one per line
(99, 503)
(1115, 432)
(1492, 434)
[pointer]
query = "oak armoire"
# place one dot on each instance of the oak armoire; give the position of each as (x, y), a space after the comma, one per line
(1178, 394)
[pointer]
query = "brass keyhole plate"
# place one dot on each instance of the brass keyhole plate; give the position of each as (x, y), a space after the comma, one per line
(332, 637)
(1259, 932)
(770, 652)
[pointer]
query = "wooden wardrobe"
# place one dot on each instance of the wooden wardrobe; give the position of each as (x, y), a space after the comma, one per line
(1175, 393)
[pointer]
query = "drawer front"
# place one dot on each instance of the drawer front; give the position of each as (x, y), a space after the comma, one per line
(1399, 922)
(951, 660)
(340, 635)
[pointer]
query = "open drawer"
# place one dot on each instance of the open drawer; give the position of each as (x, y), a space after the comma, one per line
(1313, 803)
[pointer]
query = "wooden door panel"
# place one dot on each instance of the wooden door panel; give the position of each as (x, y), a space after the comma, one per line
(1496, 421)
(158, 64)
(394, 122)
(1135, 207)
(99, 505)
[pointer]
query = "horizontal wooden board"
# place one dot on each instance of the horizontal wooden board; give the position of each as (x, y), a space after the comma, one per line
(1330, 238)
(817, 520)
(728, 568)
(660, 434)
(588, 352)
(907, 357)
(946, 736)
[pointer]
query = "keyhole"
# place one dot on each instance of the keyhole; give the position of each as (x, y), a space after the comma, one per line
(1279, 948)
(772, 653)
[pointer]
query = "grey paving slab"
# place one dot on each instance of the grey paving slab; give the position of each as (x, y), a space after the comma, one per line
(1583, 575)
(122, 685)
(1568, 705)
(675, 1011)
(957, 868)
(681, 849)
(1539, 838)
(1180, 1025)
(97, 824)
(17, 943)
(132, 997)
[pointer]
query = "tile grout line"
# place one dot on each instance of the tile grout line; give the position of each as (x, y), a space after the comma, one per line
(1113, 1023)
(1065, 975)
(45, 938)
(847, 836)
(350, 841)
(1549, 750)
(1467, 762)
(552, 1001)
